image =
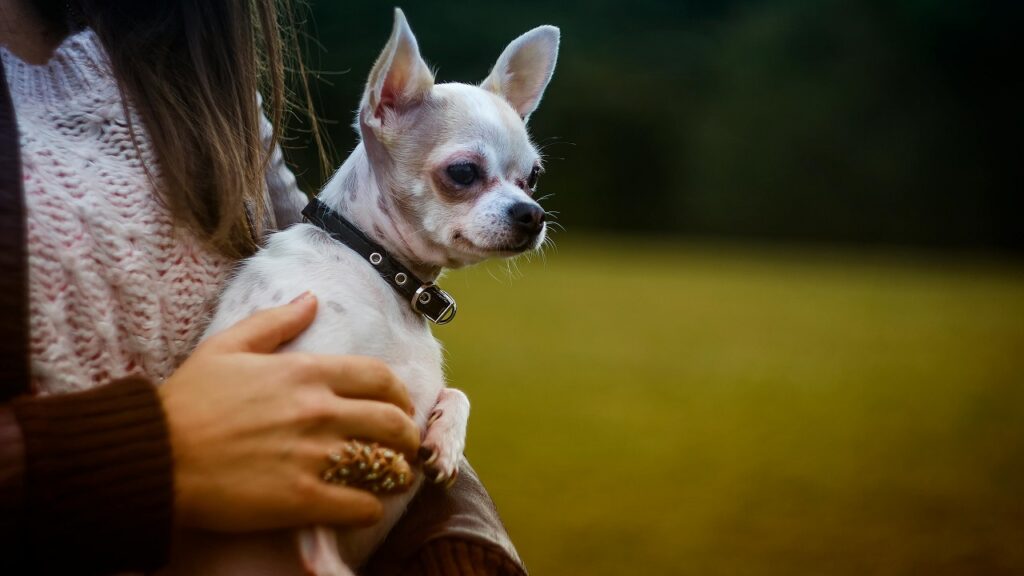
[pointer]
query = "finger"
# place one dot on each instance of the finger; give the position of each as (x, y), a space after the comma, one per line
(366, 378)
(265, 331)
(377, 422)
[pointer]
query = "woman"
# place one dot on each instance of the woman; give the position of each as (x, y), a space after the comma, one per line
(145, 169)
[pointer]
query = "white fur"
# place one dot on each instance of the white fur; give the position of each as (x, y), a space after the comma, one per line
(393, 188)
(525, 68)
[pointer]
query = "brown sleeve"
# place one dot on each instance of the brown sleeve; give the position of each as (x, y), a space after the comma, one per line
(12, 472)
(97, 487)
(449, 533)
(460, 557)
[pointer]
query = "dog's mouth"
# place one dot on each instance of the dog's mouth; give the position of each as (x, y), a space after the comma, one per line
(499, 249)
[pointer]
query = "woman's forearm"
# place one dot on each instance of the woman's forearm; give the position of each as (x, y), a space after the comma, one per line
(87, 480)
(12, 483)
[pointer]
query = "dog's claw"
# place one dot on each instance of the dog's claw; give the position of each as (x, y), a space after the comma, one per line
(452, 479)
(439, 473)
(432, 474)
(434, 416)
(442, 474)
(427, 455)
(447, 479)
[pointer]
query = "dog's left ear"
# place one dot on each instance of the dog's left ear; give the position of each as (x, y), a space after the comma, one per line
(524, 69)
(399, 79)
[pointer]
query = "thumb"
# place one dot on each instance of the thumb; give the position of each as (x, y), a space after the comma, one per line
(265, 331)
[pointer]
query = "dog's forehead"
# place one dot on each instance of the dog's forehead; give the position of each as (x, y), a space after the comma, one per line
(473, 114)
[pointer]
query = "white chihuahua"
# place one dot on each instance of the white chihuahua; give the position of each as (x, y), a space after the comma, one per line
(443, 177)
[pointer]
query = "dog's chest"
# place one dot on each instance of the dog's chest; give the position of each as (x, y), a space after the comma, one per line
(358, 312)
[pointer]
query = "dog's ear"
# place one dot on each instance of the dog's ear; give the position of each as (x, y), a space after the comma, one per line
(524, 69)
(399, 79)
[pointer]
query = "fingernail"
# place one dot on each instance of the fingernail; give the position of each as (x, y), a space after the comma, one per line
(307, 295)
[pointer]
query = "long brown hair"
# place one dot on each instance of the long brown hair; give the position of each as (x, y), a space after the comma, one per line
(192, 70)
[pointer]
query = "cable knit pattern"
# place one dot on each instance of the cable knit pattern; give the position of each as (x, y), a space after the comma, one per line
(115, 289)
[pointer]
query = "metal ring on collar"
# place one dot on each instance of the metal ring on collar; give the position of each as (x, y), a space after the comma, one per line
(423, 296)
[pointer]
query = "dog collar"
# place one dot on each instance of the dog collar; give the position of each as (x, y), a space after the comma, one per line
(424, 297)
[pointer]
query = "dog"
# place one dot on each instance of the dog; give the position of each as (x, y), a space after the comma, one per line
(443, 177)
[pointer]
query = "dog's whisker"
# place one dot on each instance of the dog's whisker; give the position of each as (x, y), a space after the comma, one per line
(554, 141)
(491, 274)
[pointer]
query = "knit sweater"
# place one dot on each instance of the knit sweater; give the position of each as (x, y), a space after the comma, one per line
(114, 290)
(116, 295)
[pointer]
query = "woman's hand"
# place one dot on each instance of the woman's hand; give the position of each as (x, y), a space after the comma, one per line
(251, 430)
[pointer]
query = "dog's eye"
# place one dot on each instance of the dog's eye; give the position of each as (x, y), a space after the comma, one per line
(464, 173)
(531, 182)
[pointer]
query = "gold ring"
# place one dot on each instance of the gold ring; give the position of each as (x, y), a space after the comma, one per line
(368, 466)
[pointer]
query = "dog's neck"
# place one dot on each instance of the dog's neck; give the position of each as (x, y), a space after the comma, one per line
(355, 192)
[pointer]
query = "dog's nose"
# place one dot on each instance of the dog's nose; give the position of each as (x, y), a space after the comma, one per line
(527, 217)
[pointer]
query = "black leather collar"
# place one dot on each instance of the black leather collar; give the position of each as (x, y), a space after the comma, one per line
(424, 297)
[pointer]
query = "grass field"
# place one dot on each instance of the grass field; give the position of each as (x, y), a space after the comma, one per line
(645, 408)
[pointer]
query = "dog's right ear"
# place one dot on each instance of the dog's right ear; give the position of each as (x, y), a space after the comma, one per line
(399, 79)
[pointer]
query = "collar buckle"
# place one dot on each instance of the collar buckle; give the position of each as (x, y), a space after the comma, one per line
(437, 305)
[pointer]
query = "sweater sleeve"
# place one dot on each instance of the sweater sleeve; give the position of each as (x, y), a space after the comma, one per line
(97, 490)
(12, 490)
(284, 199)
(459, 556)
(455, 532)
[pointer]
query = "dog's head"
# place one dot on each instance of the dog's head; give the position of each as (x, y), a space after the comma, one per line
(455, 158)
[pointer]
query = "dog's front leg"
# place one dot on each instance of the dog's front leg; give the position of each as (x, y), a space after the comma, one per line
(445, 437)
(318, 547)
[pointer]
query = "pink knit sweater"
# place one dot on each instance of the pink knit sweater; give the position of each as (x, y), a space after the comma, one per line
(115, 289)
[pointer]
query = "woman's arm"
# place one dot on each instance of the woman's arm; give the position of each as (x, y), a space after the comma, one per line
(12, 482)
(454, 532)
(86, 481)
(88, 485)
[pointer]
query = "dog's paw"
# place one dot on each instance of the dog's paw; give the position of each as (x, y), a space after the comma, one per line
(441, 450)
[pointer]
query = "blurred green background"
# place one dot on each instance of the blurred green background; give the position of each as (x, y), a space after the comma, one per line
(782, 331)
